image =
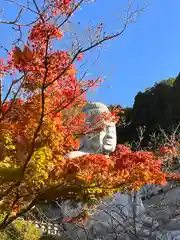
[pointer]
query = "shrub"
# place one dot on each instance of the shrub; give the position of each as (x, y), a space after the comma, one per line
(20, 230)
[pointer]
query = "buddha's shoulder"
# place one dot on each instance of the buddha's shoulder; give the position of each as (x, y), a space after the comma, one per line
(75, 154)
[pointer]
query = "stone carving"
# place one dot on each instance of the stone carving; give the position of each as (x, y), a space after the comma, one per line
(100, 142)
(124, 216)
(121, 207)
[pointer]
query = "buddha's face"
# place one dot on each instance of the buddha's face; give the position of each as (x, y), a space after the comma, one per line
(101, 137)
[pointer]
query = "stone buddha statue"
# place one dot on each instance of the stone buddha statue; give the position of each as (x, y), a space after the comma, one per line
(115, 216)
(94, 142)
(100, 142)
(119, 212)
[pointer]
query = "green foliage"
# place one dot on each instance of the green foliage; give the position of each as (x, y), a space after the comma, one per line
(20, 230)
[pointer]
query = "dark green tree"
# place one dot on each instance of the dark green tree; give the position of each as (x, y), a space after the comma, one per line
(157, 107)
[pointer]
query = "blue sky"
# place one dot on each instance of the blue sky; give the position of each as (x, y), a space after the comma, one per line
(147, 52)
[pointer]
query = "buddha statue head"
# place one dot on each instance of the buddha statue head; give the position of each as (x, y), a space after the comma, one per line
(102, 141)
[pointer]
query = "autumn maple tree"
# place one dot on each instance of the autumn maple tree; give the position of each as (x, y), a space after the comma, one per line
(41, 119)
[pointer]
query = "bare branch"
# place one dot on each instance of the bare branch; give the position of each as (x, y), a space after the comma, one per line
(14, 21)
